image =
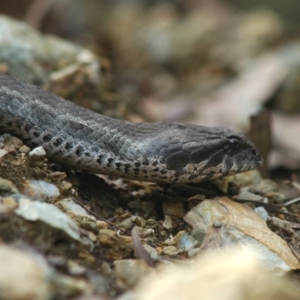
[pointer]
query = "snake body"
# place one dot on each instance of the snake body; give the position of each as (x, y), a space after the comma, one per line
(85, 140)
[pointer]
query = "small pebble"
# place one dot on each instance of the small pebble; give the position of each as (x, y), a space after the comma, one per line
(24, 275)
(37, 153)
(24, 149)
(247, 196)
(261, 211)
(102, 224)
(92, 237)
(7, 187)
(10, 202)
(44, 189)
(2, 153)
(65, 186)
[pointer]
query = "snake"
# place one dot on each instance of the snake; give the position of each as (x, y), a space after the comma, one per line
(161, 152)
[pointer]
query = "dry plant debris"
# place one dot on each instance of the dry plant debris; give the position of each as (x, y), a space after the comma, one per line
(83, 236)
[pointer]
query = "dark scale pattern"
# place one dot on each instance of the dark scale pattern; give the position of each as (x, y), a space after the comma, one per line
(79, 151)
(161, 151)
(47, 137)
(68, 146)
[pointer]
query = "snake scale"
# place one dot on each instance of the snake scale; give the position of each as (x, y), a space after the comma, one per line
(84, 140)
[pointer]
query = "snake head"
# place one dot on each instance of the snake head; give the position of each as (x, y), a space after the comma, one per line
(198, 153)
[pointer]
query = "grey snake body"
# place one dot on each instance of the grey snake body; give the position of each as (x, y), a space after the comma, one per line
(85, 140)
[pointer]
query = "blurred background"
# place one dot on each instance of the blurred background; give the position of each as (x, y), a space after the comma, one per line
(208, 62)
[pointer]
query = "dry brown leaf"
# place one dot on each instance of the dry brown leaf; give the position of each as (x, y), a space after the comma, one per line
(229, 223)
